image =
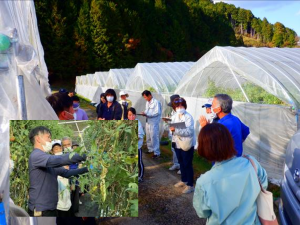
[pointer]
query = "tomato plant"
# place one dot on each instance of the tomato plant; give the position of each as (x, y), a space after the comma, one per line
(111, 147)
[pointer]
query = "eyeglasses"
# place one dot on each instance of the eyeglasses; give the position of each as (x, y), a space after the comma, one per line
(179, 100)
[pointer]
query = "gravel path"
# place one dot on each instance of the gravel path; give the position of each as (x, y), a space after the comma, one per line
(159, 201)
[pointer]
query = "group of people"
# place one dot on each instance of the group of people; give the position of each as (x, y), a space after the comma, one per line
(66, 105)
(110, 108)
(220, 141)
(232, 177)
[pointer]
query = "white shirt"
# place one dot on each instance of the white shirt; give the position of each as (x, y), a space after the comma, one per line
(153, 111)
(64, 198)
(141, 134)
(188, 132)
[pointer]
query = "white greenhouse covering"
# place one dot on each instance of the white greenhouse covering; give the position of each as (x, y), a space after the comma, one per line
(158, 77)
(117, 78)
(100, 78)
(245, 73)
(276, 70)
(24, 56)
(90, 78)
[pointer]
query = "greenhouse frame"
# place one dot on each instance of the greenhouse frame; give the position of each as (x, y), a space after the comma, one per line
(157, 77)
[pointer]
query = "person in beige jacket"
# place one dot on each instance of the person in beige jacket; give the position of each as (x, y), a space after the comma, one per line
(125, 103)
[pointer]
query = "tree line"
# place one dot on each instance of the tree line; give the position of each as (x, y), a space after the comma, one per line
(85, 36)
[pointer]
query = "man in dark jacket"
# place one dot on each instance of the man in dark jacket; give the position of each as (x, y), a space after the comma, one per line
(43, 171)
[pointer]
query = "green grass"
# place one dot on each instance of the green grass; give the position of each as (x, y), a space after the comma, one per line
(200, 165)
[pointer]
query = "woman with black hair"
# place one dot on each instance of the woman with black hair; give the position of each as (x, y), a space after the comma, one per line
(102, 101)
(141, 134)
(111, 110)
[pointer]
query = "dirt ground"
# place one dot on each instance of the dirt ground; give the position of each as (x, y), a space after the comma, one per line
(159, 201)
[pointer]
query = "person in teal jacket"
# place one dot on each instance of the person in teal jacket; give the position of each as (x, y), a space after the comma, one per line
(227, 193)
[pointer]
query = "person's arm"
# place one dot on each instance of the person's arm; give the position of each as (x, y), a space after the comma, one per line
(155, 111)
(100, 110)
(245, 131)
(200, 202)
(141, 132)
(69, 173)
(188, 131)
(63, 160)
(118, 111)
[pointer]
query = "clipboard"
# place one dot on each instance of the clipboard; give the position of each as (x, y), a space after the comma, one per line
(180, 125)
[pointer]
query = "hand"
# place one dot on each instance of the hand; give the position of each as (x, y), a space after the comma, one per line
(203, 121)
(144, 114)
(172, 129)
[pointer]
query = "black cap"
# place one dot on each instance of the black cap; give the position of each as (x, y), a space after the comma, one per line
(172, 98)
(74, 143)
(63, 90)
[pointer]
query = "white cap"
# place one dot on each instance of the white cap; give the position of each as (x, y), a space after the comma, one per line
(123, 93)
(208, 104)
(56, 142)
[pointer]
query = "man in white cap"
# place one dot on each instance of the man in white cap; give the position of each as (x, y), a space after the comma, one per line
(64, 196)
(125, 103)
(210, 117)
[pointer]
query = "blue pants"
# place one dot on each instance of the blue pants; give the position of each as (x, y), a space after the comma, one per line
(152, 137)
(185, 159)
(141, 164)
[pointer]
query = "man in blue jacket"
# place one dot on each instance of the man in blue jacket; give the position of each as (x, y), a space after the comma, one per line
(221, 108)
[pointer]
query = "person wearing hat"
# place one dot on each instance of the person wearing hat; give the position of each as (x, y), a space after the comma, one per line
(63, 90)
(211, 118)
(125, 103)
(64, 196)
(74, 145)
(176, 165)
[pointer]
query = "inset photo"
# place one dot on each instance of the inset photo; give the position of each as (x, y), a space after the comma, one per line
(74, 168)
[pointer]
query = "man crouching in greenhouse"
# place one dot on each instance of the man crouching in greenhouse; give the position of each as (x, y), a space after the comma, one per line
(43, 171)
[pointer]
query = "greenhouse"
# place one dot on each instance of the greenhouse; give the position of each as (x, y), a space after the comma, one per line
(157, 77)
(100, 78)
(23, 77)
(117, 78)
(264, 84)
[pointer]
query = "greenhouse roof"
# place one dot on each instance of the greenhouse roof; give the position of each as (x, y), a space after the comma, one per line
(100, 78)
(117, 78)
(158, 77)
(89, 79)
(275, 70)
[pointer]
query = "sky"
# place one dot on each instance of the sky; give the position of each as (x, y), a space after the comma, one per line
(285, 12)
